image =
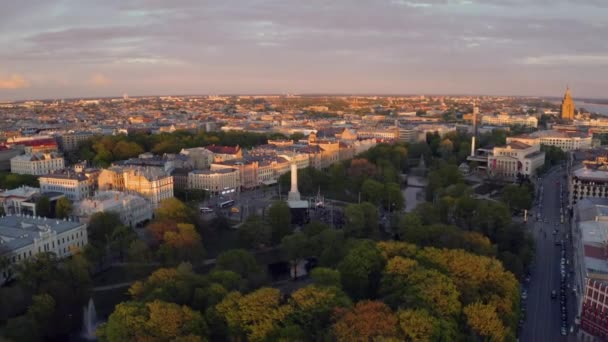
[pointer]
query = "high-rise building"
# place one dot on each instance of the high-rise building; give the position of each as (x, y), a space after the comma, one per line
(567, 106)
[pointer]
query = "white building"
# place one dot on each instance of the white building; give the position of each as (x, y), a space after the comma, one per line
(515, 158)
(74, 185)
(566, 140)
(217, 182)
(23, 237)
(588, 182)
(19, 200)
(200, 157)
(132, 209)
(504, 119)
(37, 164)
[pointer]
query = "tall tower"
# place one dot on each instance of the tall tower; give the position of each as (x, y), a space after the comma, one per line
(567, 106)
(294, 194)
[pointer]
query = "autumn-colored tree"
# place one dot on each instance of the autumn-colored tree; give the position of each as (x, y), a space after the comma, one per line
(182, 245)
(255, 315)
(360, 167)
(312, 307)
(418, 325)
(366, 321)
(158, 228)
(157, 320)
(485, 322)
(392, 249)
(172, 209)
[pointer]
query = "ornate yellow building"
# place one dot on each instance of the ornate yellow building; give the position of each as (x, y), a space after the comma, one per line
(567, 106)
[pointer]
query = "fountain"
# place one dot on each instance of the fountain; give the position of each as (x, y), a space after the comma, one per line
(89, 321)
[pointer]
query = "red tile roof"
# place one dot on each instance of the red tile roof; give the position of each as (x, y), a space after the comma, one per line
(224, 149)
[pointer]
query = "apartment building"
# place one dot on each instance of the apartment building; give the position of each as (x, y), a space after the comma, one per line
(504, 119)
(217, 182)
(200, 157)
(566, 140)
(71, 140)
(37, 164)
(19, 200)
(75, 185)
(150, 182)
(133, 209)
(23, 237)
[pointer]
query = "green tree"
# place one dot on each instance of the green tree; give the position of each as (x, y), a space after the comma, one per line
(279, 218)
(361, 269)
(255, 233)
(372, 191)
(242, 263)
(517, 197)
(126, 150)
(295, 247)
(323, 276)
(63, 208)
(43, 206)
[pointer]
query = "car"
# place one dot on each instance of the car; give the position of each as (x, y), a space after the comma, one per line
(235, 210)
(524, 294)
(553, 294)
(206, 210)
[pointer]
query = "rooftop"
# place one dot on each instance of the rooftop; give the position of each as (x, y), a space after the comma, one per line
(20, 231)
(591, 175)
(211, 172)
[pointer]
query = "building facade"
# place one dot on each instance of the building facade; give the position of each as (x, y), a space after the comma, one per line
(150, 182)
(133, 210)
(74, 185)
(19, 201)
(23, 237)
(565, 140)
(504, 119)
(37, 164)
(71, 140)
(515, 158)
(217, 182)
(588, 182)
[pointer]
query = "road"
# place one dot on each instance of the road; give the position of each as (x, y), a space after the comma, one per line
(543, 314)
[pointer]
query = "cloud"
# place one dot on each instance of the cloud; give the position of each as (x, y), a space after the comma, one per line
(99, 80)
(14, 81)
(577, 60)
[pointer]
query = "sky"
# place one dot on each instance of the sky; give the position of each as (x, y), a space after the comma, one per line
(84, 48)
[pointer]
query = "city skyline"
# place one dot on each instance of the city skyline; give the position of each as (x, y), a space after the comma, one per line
(69, 49)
